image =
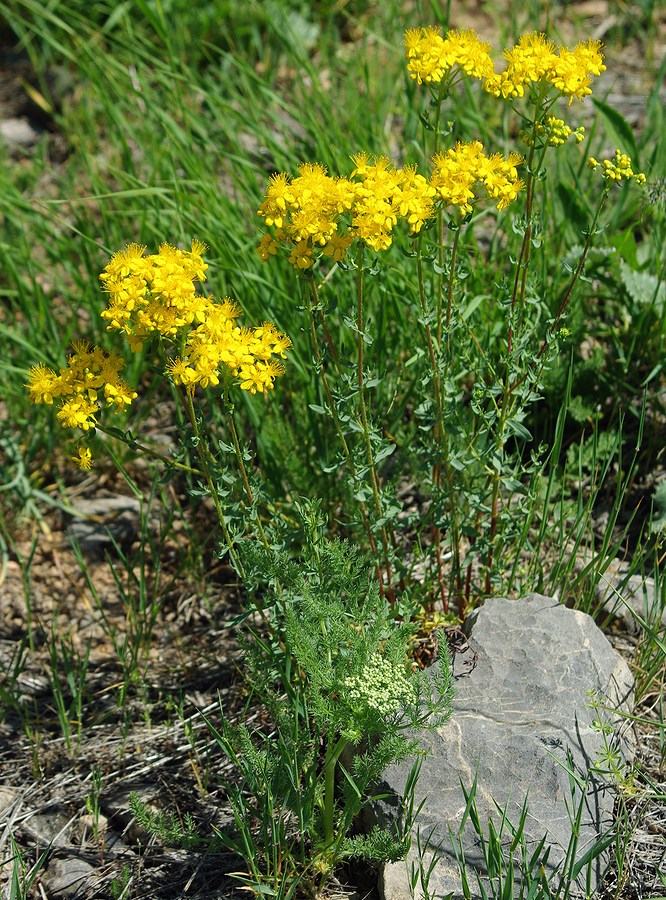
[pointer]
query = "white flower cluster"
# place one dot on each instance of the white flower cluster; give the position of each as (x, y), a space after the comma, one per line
(381, 685)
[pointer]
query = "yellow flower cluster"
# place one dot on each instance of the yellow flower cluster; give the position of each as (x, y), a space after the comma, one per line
(90, 379)
(307, 213)
(156, 295)
(458, 171)
(305, 210)
(219, 343)
(430, 57)
(617, 169)
(382, 195)
(555, 132)
(536, 59)
(153, 294)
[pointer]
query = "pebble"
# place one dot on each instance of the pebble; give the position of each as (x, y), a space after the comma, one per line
(18, 132)
(67, 877)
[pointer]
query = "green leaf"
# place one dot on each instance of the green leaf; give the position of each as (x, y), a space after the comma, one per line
(473, 304)
(619, 130)
(518, 429)
(642, 287)
(385, 451)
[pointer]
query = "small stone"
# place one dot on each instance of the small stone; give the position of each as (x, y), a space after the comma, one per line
(8, 797)
(52, 827)
(68, 877)
(96, 824)
(18, 132)
(103, 522)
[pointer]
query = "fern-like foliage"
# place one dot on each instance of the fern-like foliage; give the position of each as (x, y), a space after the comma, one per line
(344, 700)
(166, 826)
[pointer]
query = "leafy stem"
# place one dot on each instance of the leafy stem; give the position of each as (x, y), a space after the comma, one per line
(372, 468)
(313, 302)
(204, 454)
(153, 454)
(442, 437)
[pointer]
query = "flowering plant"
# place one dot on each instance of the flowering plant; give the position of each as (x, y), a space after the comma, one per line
(326, 221)
(328, 647)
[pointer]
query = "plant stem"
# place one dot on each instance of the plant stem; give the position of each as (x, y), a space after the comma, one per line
(153, 454)
(311, 295)
(522, 266)
(203, 454)
(246, 482)
(567, 296)
(449, 291)
(372, 468)
(511, 387)
(442, 437)
(333, 752)
(517, 305)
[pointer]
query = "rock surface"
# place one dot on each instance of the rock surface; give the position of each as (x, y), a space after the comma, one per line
(18, 132)
(68, 877)
(104, 521)
(522, 718)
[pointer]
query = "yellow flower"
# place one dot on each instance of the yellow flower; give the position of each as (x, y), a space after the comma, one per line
(43, 384)
(534, 59)
(267, 247)
(323, 214)
(573, 69)
(218, 344)
(530, 59)
(194, 257)
(154, 294)
(337, 246)
(259, 376)
(277, 200)
(118, 393)
(123, 263)
(458, 171)
(301, 256)
(431, 57)
(424, 49)
(617, 169)
(78, 412)
(455, 174)
(373, 213)
(83, 459)
(469, 53)
(500, 177)
(90, 372)
(181, 373)
(415, 200)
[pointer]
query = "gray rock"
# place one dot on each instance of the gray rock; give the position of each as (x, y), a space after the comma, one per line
(18, 132)
(522, 718)
(68, 877)
(52, 827)
(9, 798)
(103, 521)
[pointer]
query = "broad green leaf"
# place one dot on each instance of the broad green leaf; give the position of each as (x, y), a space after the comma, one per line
(619, 130)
